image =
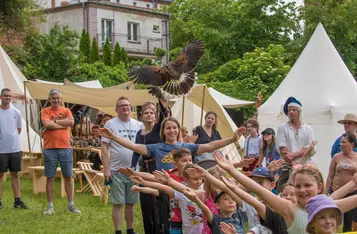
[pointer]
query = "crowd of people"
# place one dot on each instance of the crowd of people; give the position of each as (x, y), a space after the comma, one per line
(186, 185)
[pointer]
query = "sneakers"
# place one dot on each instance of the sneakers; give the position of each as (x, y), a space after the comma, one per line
(49, 210)
(74, 209)
(20, 204)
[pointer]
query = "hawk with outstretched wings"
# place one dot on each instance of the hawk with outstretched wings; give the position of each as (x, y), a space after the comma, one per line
(177, 77)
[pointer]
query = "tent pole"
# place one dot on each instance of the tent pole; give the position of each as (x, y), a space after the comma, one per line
(203, 103)
(27, 120)
(39, 107)
(183, 110)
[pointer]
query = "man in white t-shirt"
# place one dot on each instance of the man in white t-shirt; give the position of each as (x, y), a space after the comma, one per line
(293, 138)
(120, 190)
(10, 150)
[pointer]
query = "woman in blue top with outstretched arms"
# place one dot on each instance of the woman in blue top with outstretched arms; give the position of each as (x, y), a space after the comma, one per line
(169, 133)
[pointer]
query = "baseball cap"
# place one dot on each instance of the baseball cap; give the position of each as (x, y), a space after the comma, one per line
(262, 172)
(218, 195)
(268, 131)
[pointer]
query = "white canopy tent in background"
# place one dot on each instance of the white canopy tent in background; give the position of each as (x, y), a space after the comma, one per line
(12, 78)
(213, 101)
(326, 89)
(87, 84)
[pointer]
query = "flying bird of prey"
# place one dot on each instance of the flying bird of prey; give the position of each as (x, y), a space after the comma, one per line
(177, 77)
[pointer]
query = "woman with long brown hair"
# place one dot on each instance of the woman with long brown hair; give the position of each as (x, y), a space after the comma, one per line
(205, 134)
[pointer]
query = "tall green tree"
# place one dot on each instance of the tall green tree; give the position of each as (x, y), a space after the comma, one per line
(94, 52)
(107, 53)
(339, 20)
(260, 70)
(116, 54)
(124, 56)
(50, 56)
(231, 28)
(84, 46)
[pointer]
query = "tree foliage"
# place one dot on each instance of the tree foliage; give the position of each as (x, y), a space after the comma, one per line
(84, 46)
(107, 75)
(231, 28)
(124, 57)
(50, 56)
(260, 70)
(339, 20)
(94, 52)
(107, 53)
(116, 54)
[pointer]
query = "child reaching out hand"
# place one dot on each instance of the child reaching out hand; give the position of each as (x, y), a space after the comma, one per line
(192, 217)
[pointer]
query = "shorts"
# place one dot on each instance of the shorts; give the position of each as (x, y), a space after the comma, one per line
(51, 159)
(120, 190)
(10, 161)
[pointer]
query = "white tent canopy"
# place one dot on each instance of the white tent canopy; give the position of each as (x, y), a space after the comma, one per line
(227, 101)
(326, 89)
(12, 78)
(87, 84)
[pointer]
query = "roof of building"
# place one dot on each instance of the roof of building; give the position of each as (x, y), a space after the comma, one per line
(116, 5)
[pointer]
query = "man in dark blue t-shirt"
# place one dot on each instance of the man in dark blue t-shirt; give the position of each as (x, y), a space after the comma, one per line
(350, 126)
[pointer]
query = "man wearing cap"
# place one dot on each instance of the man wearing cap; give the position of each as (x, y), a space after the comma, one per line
(10, 149)
(350, 126)
(292, 138)
(57, 121)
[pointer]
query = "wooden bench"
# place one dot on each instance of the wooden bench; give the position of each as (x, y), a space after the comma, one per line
(39, 180)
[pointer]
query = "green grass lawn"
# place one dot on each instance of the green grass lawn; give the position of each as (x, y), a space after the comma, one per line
(95, 217)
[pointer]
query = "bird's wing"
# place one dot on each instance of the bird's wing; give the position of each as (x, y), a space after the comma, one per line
(181, 86)
(149, 75)
(188, 57)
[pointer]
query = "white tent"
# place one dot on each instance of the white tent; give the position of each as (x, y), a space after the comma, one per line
(213, 102)
(326, 88)
(227, 101)
(87, 84)
(12, 78)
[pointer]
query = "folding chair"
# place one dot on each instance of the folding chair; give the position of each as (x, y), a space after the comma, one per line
(95, 179)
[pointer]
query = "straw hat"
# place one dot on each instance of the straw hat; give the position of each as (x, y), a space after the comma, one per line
(348, 118)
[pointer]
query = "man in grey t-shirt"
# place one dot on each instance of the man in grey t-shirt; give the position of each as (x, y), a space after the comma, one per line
(120, 190)
(10, 150)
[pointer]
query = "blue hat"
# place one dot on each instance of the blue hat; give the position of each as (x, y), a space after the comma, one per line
(262, 172)
(218, 195)
(291, 101)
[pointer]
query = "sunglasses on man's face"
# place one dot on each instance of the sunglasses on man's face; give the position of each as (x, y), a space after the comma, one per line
(348, 123)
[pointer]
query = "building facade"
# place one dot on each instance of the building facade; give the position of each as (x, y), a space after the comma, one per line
(137, 29)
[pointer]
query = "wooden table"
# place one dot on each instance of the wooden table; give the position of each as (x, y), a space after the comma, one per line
(78, 154)
(39, 180)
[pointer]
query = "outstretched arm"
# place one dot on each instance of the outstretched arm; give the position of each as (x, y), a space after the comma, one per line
(258, 206)
(145, 190)
(166, 189)
(283, 207)
(129, 172)
(190, 194)
(200, 172)
(140, 149)
(347, 204)
(210, 147)
(163, 177)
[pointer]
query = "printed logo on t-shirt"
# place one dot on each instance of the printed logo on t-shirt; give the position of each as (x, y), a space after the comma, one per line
(169, 158)
(194, 214)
